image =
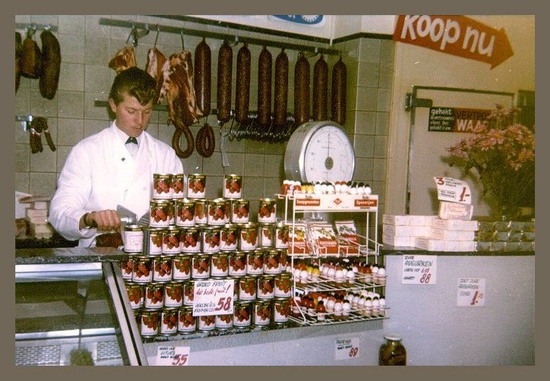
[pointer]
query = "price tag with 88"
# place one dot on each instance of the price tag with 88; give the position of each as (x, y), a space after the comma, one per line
(172, 356)
(419, 269)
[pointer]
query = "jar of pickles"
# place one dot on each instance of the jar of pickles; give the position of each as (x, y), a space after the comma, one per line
(392, 352)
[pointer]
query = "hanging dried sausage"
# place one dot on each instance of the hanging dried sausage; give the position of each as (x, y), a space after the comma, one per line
(31, 64)
(320, 90)
(202, 76)
(242, 93)
(18, 48)
(301, 91)
(223, 102)
(280, 107)
(264, 87)
(339, 73)
(51, 64)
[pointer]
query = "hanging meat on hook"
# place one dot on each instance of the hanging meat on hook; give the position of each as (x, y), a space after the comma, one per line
(242, 93)
(31, 64)
(223, 101)
(280, 107)
(51, 64)
(155, 63)
(18, 52)
(339, 73)
(264, 88)
(205, 136)
(124, 59)
(179, 89)
(301, 90)
(320, 90)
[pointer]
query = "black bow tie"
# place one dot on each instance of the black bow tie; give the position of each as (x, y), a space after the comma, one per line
(131, 139)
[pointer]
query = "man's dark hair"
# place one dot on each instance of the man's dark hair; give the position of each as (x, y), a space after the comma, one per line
(134, 82)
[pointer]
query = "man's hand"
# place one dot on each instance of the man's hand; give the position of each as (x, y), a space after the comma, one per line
(104, 220)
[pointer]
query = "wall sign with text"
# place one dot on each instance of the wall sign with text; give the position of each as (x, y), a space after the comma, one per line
(419, 269)
(453, 119)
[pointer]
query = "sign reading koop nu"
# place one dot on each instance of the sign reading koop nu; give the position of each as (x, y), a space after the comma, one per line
(456, 35)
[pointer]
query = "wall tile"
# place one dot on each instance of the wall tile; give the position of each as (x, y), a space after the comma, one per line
(383, 100)
(272, 186)
(72, 48)
(212, 165)
(367, 99)
(22, 157)
(385, 80)
(382, 123)
(253, 187)
(193, 164)
(369, 50)
(274, 166)
(43, 107)
(62, 153)
(387, 52)
(97, 79)
(69, 131)
(254, 165)
(94, 126)
(380, 146)
(236, 164)
(365, 122)
(72, 24)
(379, 172)
(23, 98)
(363, 169)
(22, 181)
(42, 184)
(91, 111)
(214, 186)
(70, 104)
(94, 29)
(364, 145)
(21, 136)
(45, 161)
(71, 77)
(368, 74)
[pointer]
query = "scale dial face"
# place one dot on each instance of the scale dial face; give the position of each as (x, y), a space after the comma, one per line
(322, 151)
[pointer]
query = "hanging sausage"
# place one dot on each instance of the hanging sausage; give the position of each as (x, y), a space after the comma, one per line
(320, 90)
(223, 101)
(18, 52)
(51, 64)
(280, 107)
(205, 136)
(242, 93)
(264, 88)
(31, 63)
(301, 90)
(339, 73)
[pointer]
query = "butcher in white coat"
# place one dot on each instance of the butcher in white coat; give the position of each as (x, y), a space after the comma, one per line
(106, 169)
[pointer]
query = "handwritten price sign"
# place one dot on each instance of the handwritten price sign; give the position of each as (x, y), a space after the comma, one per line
(213, 297)
(347, 349)
(419, 269)
(173, 356)
(453, 190)
(471, 292)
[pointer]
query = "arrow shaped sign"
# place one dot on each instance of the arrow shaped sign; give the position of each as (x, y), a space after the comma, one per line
(457, 35)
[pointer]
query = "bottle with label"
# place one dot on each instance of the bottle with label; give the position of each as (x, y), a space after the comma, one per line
(392, 352)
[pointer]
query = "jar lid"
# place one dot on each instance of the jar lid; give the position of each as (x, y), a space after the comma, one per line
(392, 337)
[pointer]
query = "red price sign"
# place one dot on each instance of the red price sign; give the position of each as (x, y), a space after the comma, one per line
(353, 352)
(180, 360)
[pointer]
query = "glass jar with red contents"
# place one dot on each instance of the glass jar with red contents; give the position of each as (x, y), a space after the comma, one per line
(206, 323)
(267, 211)
(224, 322)
(248, 236)
(247, 288)
(188, 292)
(127, 267)
(215, 212)
(265, 287)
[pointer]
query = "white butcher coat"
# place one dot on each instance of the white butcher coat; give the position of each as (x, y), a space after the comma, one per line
(100, 174)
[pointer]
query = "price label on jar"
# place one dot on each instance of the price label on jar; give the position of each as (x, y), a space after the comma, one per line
(471, 292)
(172, 356)
(347, 349)
(453, 190)
(419, 269)
(213, 297)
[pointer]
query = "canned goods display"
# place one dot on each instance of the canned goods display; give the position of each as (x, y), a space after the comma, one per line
(188, 292)
(206, 323)
(265, 234)
(227, 211)
(187, 323)
(229, 235)
(178, 185)
(133, 239)
(127, 268)
(281, 235)
(154, 296)
(240, 211)
(237, 263)
(135, 294)
(200, 212)
(267, 211)
(162, 269)
(232, 186)
(248, 236)
(219, 265)
(242, 314)
(255, 262)
(265, 287)
(173, 294)
(247, 288)
(190, 240)
(210, 240)
(171, 240)
(149, 323)
(154, 241)
(162, 186)
(272, 262)
(185, 212)
(262, 313)
(200, 266)
(283, 285)
(224, 321)
(281, 310)
(160, 213)
(196, 185)
(169, 321)
(215, 212)
(143, 270)
(181, 267)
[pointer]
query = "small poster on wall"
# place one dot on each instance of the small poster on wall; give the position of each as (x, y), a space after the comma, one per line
(316, 20)
(471, 292)
(455, 119)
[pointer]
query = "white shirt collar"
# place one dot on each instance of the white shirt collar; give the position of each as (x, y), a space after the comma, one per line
(124, 136)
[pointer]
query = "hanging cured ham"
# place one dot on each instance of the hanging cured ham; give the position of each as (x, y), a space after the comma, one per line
(124, 59)
(155, 64)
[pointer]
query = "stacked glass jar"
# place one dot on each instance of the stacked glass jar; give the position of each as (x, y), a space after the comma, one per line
(191, 238)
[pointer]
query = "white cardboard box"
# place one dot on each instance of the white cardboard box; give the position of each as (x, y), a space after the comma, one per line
(452, 235)
(455, 224)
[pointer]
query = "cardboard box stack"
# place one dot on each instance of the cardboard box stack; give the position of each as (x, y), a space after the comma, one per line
(429, 233)
(36, 215)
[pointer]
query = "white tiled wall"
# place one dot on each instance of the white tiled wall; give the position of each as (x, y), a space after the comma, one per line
(86, 48)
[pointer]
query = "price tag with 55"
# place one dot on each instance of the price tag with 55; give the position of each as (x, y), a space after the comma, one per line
(173, 356)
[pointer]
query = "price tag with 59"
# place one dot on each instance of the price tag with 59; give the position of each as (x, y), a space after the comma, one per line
(173, 356)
